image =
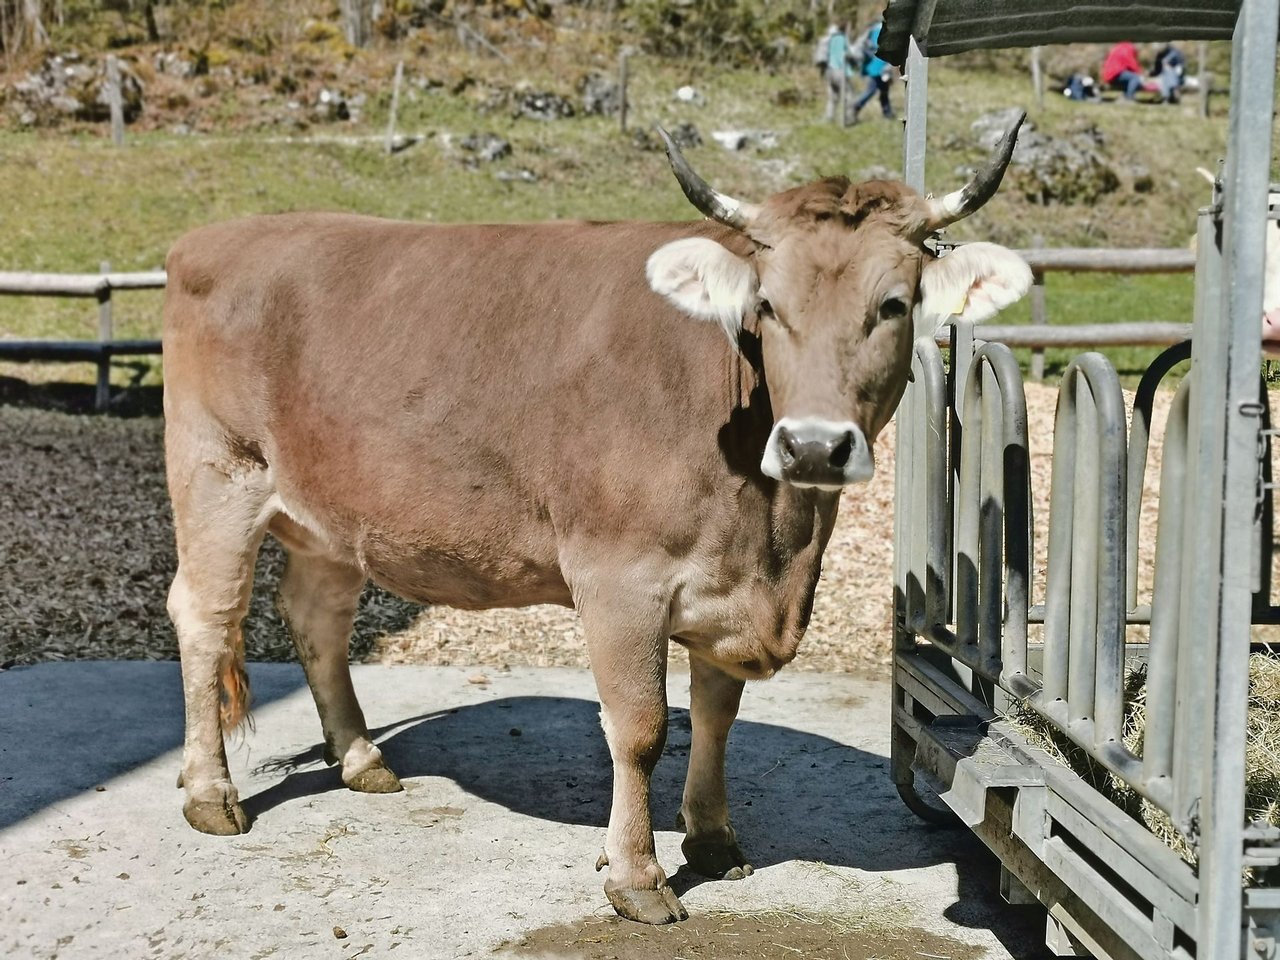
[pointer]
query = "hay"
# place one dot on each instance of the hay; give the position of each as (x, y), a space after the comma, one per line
(1262, 755)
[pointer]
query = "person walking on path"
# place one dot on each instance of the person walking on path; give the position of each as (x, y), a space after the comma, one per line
(836, 69)
(879, 74)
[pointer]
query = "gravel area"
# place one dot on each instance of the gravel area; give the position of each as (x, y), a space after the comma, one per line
(87, 552)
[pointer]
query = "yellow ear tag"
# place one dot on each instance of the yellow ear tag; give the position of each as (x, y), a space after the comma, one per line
(958, 307)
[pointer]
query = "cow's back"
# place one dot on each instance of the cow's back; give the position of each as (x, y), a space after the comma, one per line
(454, 405)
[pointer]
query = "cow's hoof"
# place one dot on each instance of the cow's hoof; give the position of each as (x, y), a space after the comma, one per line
(716, 858)
(376, 779)
(222, 818)
(647, 906)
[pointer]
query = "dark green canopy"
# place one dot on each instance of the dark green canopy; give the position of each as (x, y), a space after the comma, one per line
(952, 26)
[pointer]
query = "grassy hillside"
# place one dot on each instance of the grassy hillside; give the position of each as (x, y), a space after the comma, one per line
(74, 200)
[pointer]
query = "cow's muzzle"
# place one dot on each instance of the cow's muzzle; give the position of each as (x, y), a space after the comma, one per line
(809, 452)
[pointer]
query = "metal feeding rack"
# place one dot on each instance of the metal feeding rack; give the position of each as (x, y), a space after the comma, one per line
(970, 647)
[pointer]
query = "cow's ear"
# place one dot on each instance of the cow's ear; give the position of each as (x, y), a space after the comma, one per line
(973, 282)
(704, 280)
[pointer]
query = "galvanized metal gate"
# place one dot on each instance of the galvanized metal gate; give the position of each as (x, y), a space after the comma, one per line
(964, 647)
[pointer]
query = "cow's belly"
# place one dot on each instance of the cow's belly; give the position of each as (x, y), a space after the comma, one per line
(468, 566)
(463, 576)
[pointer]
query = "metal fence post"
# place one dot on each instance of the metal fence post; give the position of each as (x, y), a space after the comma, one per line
(102, 396)
(1225, 427)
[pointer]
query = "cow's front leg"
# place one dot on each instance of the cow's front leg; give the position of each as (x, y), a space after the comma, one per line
(629, 661)
(709, 844)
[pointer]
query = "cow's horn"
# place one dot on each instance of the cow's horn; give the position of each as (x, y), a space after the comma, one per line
(712, 203)
(958, 205)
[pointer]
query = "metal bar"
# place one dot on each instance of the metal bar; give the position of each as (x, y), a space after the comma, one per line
(923, 491)
(1139, 438)
(1194, 615)
(934, 426)
(1083, 335)
(1246, 184)
(1111, 460)
(1163, 659)
(1057, 604)
(916, 77)
(990, 511)
(1082, 627)
(1095, 825)
(1018, 546)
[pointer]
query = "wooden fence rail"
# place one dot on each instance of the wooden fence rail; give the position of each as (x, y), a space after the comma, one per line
(101, 286)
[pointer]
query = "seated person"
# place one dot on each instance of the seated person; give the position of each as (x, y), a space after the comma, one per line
(1170, 71)
(1122, 71)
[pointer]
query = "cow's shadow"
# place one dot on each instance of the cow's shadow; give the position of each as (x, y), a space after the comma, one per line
(793, 795)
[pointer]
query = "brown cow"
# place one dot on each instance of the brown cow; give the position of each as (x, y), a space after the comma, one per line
(486, 416)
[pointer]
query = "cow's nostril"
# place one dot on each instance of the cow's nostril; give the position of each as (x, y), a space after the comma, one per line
(787, 447)
(841, 452)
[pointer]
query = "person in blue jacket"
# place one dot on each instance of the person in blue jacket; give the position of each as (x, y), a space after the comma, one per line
(879, 74)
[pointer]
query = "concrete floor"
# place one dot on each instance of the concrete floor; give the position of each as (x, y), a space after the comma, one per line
(489, 850)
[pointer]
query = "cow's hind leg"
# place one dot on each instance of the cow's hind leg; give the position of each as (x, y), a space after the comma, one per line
(710, 845)
(220, 519)
(628, 648)
(318, 599)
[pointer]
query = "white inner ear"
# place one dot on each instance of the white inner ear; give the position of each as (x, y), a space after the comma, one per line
(973, 282)
(705, 281)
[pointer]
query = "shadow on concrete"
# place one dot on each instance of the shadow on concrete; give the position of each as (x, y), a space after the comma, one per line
(70, 727)
(66, 728)
(794, 795)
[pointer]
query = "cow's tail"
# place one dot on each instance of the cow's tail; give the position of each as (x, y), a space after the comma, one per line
(233, 681)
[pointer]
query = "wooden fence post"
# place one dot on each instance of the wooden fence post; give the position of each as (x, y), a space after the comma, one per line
(395, 107)
(1206, 79)
(106, 333)
(1039, 315)
(623, 78)
(115, 101)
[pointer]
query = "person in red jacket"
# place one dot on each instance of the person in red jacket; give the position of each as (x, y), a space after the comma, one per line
(1122, 71)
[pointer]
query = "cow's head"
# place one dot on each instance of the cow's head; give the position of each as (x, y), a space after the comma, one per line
(836, 274)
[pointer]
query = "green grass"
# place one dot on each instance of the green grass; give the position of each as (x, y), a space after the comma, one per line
(73, 201)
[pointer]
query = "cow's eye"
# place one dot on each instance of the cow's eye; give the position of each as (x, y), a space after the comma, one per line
(765, 308)
(893, 308)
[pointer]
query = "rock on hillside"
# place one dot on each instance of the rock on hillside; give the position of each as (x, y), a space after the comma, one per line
(1048, 169)
(67, 87)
